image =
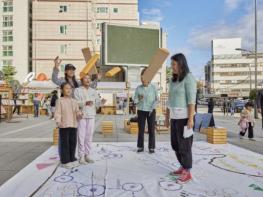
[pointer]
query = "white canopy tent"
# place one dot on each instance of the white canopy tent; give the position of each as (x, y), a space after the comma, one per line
(40, 87)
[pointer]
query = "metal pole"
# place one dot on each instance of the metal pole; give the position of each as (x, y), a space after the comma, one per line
(250, 78)
(256, 55)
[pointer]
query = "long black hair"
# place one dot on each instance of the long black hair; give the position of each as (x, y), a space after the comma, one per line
(182, 66)
(75, 83)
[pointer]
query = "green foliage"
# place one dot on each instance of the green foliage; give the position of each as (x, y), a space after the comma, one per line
(9, 73)
(253, 94)
(168, 73)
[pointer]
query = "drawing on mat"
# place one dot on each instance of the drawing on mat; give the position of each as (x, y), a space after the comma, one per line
(91, 190)
(170, 185)
(118, 172)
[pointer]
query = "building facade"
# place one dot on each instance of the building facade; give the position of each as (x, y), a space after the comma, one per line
(63, 28)
(230, 71)
(15, 36)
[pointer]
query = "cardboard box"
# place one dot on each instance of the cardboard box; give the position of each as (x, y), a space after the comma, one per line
(87, 56)
(217, 135)
(134, 129)
(91, 63)
(156, 63)
(107, 127)
(113, 72)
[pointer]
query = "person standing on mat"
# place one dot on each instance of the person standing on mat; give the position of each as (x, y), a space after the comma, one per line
(146, 99)
(180, 114)
(66, 114)
(88, 100)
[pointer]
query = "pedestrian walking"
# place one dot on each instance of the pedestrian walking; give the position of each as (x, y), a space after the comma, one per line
(247, 121)
(211, 105)
(180, 115)
(88, 100)
(36, 103)
(17, 106)
(66, 114)
(54, 98)
(146, 99)
(232, 107)
(225, 107)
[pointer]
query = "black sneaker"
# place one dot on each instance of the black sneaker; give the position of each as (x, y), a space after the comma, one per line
(140, 150)
(151, 151)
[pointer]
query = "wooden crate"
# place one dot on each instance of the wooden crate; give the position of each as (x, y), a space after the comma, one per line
(107, 127)
(134, 129)
(217, 135)
(203, 130)
(126, 125)
(162, 129)
(55, 136)
(108, 110)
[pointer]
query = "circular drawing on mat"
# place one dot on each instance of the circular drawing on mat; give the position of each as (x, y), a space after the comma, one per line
(91, 191)
(112, 156)
(63, 179)
(132, 187)
(170, 185)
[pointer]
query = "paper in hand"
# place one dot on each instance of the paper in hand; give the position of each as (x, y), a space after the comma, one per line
(188, 132)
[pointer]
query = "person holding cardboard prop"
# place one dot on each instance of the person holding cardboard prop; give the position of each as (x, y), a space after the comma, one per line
(88, 100)
(181, 109)
(69, 75)
(146, 98)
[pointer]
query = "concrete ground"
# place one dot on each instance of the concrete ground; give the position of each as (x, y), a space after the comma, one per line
(26, 138)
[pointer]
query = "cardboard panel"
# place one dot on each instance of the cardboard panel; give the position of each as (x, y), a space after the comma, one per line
(91, 63)
(87, 56)
(113, 72)
(156, 63)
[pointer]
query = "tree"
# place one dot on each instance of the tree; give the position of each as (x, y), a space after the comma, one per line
(253, 95)
(168, 73)
(9, 73)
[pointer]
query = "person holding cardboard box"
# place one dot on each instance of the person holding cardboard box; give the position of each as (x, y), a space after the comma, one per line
(146, 99)
(69, 75)
(180, 115)
(88, 100)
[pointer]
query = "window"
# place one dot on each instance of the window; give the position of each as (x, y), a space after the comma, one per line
(63, 48)
(63, 8)
(98, 26)
(7, 36)
(7, 50)
(8, 6)
(7, 21)
(102, 10)
(7, 62)
(62, 68)
(63, 29)
(115, 10)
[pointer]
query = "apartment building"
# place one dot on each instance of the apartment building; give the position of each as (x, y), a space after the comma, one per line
(65, 27)
(231, 71)
(14, 36)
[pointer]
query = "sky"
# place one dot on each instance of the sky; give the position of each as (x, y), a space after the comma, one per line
(192, 24)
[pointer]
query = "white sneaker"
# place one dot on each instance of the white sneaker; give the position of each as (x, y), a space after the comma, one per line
(67, 165)
(75, 164)
(88, 159)
(82, 160)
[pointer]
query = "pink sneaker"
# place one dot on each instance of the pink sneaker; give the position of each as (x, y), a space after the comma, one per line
(185, 177)
(177, 172)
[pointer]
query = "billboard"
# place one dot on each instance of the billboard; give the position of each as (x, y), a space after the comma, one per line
(129, 45)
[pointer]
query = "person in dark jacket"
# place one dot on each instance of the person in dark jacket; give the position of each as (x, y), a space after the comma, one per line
(54, 98)
(211, 105)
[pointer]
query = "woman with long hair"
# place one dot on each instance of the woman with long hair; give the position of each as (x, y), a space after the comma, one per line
(69, 75)
(180, 115)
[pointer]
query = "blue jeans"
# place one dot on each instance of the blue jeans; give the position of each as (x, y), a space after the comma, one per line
(36, 110)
